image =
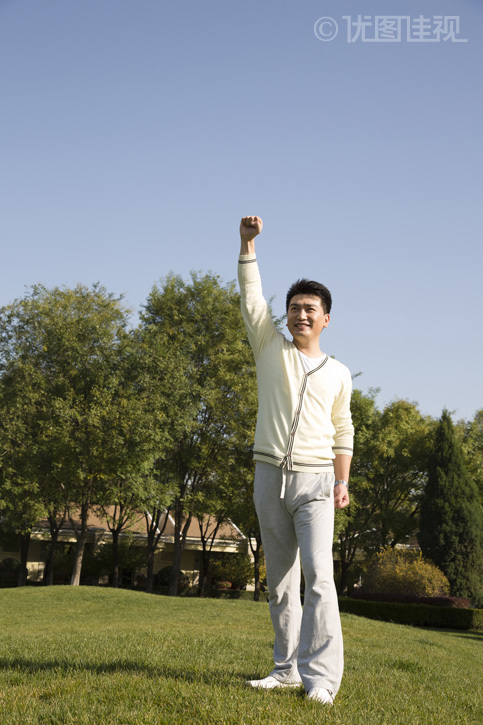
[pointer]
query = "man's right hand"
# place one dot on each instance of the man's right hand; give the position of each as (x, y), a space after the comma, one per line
(250, 227)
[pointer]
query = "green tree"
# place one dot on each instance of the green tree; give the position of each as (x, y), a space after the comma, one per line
(21, 504)
(213, 505)
(135, 430)
(451, 522)
(60, 360)
(214, 401)
(234, 568)
(354, 523)
(388, 474)
(470, 435)
(245, 517)
(168, 387)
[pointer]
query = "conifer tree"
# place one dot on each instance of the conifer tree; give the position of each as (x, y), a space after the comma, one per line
(451, 522)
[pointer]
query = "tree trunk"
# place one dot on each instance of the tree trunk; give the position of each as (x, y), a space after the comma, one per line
(115, 559)
(205, 562)
(55, 527)
(256, 551)
(154, 534)
(173, 583)
(207, 546)
(256, 567)
(48, 578)
(205, 591)
(344, 578)
(179, 542)
(150, 570)
(24, 554)
(81, 542)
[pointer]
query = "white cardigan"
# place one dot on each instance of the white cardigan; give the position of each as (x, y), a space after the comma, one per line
(304, 419)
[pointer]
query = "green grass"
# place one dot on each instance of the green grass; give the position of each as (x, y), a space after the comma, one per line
(89, 655)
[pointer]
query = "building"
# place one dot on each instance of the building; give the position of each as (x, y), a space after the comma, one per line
(228, 540)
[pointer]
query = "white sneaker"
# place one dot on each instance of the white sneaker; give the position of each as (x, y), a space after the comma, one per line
(268, 683)
(320, 695)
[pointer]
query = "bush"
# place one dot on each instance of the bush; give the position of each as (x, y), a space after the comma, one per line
(421, 615)
(456, 602)
(9, 569)
(98, 560)
(163, 577)
(234, 568)
(404, 573)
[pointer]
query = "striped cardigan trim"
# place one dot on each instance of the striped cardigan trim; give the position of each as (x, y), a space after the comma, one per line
(294, 463)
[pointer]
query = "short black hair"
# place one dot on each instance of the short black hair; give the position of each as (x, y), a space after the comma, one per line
(309, 287)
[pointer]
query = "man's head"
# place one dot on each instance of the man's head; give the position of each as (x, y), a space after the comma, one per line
(308, 306)
(312, 289)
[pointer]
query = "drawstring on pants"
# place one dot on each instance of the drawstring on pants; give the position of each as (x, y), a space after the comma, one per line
(285, 465)
(284, 481)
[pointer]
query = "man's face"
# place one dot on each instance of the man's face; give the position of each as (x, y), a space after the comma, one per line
(306, 317)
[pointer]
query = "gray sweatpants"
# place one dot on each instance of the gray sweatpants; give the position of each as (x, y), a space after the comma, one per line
(296, 512)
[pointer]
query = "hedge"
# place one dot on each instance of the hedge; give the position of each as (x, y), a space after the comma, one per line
(460, 602)
(420, 615)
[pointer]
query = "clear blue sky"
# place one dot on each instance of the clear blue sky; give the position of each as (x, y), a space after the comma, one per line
(136, 133)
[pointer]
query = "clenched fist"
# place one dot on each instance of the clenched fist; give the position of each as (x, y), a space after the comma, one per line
(250, 227)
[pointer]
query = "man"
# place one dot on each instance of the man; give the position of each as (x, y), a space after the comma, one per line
(303, 450)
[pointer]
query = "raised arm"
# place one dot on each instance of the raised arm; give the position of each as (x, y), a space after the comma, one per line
(250, 227)
(255, 311)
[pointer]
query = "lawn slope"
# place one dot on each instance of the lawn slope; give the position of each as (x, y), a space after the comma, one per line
(90, 655)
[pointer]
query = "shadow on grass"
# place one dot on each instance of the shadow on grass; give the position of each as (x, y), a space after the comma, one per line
(470, 635)
(64, 667)
(464, 633)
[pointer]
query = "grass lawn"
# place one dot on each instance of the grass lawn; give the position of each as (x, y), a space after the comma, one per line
(91, 655)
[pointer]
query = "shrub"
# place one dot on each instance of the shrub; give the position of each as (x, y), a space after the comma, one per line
(99, 559)
(455, 602)
(234, 568)
(9, 569)
(420, 615)
(405, 573)
(163, 576)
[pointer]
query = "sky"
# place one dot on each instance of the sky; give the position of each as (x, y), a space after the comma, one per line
(136, 133)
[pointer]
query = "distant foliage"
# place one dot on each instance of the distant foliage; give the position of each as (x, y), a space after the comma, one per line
(451, 522)
(9, 569)
(163, 577)
(234, 568)
(405, 573)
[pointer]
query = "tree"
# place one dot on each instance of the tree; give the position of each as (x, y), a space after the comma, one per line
(60, 353)
(156, 519)
(168, 386)
(470, 435)
(213, 389)
(451, 522)
(20, 503)
(244, 515)
(213, 505)
(135, 430)
(387, 478)
(355, 522)
(398, 477)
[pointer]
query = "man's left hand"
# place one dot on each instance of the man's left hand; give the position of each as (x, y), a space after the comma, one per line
(341, 496)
